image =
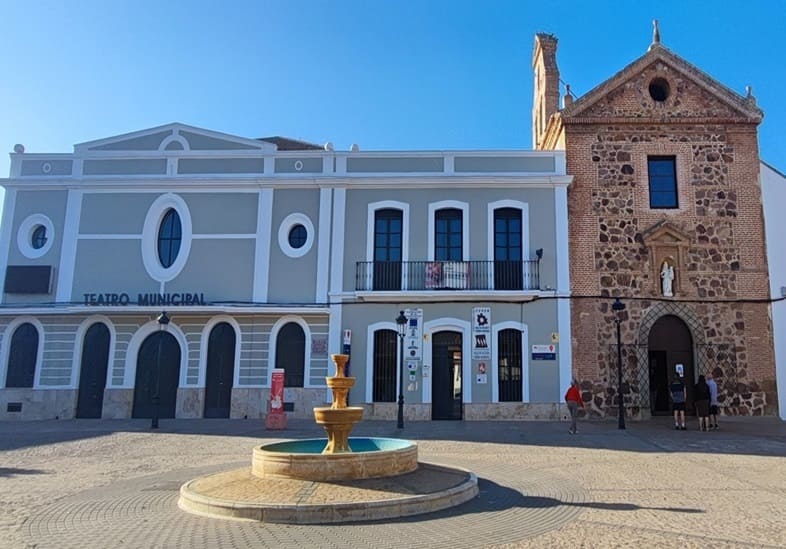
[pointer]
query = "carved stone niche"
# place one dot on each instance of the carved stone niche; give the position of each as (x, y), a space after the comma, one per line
(667, 245)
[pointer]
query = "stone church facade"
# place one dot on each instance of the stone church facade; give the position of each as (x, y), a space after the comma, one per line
(665, 213)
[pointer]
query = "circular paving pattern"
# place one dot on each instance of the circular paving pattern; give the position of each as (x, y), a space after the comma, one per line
(513, 504)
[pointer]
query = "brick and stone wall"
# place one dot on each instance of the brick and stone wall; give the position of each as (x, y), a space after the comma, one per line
(715, 237)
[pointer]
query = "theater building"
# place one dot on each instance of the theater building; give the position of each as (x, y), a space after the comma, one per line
(168, 271)
(665, 213)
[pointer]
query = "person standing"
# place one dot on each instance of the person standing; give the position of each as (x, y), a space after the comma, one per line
(713, 401)
(701, 393)
(677, 392)
(573, 400)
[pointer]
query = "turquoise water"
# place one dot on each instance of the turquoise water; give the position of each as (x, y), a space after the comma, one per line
(316, 445)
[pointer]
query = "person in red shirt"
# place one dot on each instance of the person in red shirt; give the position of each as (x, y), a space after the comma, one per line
(573, 400)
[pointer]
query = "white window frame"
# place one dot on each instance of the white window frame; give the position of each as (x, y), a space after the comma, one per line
(495, 330)
(24, 236)
(433, 208)
(517, 204)
(283, 234)
(155, 215)
(395, 205)
(6, 350)
(271, 357)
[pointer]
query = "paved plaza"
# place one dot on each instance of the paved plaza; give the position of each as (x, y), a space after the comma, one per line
(114, 484)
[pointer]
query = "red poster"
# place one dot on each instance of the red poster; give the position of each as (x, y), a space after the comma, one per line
(276, 419)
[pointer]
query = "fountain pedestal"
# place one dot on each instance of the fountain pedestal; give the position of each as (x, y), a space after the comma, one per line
(338, 419)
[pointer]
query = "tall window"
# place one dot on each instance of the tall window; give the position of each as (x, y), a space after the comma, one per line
(291, 354)
(507, 249)
(387, 249)
(385, 365)
(509, 365)
(663, 182)
(448, 235)
(169, 237)
(22, 356)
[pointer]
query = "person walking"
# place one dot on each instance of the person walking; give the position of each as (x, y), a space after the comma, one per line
(713, 401)
(573, 400)
(701, 394)
(677, 392)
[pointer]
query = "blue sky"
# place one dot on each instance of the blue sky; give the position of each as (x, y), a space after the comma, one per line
(430, 74)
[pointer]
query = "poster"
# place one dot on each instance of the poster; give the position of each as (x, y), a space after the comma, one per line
(481, 333)
(276, 418)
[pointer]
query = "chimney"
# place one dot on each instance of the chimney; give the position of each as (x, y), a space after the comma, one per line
(546, 86)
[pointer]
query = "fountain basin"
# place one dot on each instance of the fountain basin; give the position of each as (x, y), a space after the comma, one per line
(370, 457)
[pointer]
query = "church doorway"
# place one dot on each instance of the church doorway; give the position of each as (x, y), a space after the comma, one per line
(670, 354)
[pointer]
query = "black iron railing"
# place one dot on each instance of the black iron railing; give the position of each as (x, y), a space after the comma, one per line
(447, 275)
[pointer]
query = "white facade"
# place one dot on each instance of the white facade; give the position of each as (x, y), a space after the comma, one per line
(773, 192)
(271, 243)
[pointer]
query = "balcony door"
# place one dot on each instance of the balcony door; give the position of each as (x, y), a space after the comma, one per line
(508, 274)
(387, 249)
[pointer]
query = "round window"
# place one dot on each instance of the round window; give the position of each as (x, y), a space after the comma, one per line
(659, 89)
(170, 235)
(35, 236)
(38, 239)
(297, 236)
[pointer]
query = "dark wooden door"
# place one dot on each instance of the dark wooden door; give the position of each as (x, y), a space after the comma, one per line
(446, 382)
(92, 371)
(508, 273)
(22, 357)
(157, 375)
(388, 232)
(220, 370)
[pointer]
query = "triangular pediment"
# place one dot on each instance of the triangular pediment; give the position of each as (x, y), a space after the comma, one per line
(172, 138)
(690, 94)
(664, 232)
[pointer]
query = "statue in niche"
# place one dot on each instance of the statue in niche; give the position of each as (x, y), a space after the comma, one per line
(667, 278)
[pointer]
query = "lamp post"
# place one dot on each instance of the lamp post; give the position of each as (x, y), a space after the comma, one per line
(618, 306)
(163, 321)
(401, 324)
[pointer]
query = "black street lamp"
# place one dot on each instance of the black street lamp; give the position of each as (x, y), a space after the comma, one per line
(401, 323)
(163, 322)
(618, 306)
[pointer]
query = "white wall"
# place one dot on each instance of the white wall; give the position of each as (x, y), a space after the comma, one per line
(773, 190)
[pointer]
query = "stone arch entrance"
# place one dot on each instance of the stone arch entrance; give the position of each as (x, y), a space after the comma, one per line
(670, 353)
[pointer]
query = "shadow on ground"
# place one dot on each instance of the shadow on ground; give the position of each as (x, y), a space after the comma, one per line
(742, 436)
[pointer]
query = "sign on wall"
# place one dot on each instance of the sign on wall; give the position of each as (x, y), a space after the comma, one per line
(413, 338)
(481, 333)
(544, 352)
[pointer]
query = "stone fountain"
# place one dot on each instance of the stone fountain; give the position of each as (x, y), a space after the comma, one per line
(338, 419)
(295, 481)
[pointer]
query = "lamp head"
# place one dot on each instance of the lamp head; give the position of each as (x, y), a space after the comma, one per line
(401, 322)
(162, 319)
(618, 305)
(539, 253)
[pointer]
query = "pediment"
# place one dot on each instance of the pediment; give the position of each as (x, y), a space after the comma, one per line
(174, 137)
(691, 94)
(665, 233)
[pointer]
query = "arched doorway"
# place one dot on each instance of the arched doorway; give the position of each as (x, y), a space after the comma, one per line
(220, 370)
(670, 350)
(92, 371)
(446, 382)
(22, 357)
(157, 375)
(291, 354)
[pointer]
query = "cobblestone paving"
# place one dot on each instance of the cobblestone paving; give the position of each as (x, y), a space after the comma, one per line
(113, 484)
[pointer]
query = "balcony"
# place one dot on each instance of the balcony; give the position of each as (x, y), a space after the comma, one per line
(432, 276)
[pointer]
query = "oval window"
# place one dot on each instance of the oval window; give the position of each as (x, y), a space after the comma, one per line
(38, 239)
(297, 236)
(169, 236)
